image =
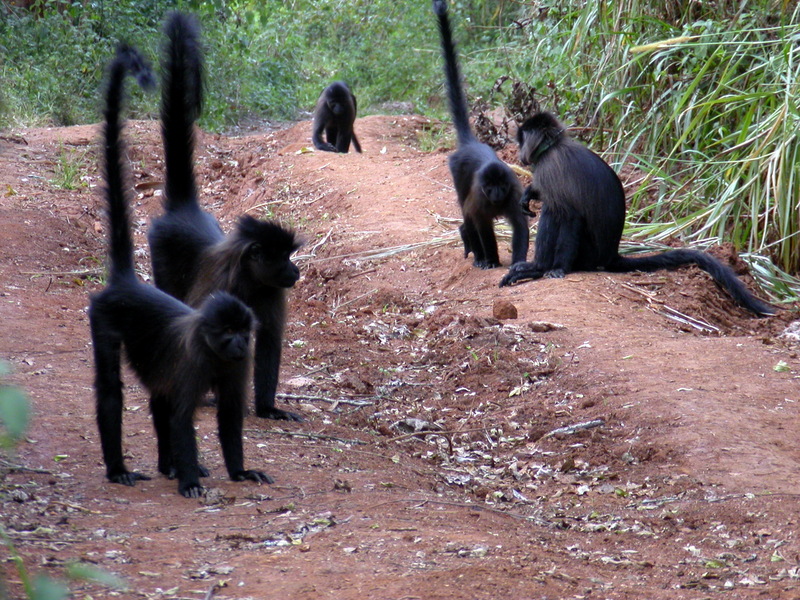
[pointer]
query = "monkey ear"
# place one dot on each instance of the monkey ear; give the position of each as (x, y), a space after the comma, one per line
(253, 250)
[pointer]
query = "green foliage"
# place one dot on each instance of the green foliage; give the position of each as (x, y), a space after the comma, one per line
(712, 119)
(14, 411)
(69, 169)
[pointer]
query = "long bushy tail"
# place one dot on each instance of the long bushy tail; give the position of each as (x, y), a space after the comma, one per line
(127, 60)
(181, 104)
(455, 91)
(721, 274)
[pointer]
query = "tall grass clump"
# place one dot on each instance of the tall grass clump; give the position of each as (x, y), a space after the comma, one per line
(721, 139)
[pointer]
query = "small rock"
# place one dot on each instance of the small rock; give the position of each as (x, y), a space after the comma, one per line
(503, 309)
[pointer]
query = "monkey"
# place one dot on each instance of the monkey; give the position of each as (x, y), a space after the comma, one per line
(334, 115)
(583, 215)
(191, 256)
(177, 352)
(486, 187)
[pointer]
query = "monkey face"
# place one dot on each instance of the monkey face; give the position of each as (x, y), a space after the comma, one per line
(529, 146)
(230, 345)
(226, 326)
(271, 267)
(498, 185)
(537, 135)
(266, 259)
(337, 108)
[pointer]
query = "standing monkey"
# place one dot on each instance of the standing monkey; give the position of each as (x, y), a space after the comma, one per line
(486, 187)
(334, 116)
(192, 258)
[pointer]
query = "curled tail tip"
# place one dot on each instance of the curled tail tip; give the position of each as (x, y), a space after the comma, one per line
(137, 65)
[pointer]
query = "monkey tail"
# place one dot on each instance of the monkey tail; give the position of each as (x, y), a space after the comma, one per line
(127, 60)
(455, 91)
(181, 104)
(721, 274)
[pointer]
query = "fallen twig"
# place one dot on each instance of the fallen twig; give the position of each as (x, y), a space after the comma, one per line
(324, 399)
(406, 436)
(572, 429)
(333, 310)
(678, 316)
(76, 507)
(21, 468)
(309, 436)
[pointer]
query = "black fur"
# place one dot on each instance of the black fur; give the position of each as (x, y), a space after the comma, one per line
(486, 187)
(583, 214)
(178, 353)
(334, 116)
(191, 256)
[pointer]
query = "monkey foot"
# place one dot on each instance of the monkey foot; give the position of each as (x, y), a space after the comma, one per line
(128, 478)
(252, 475)
(278, 415)
(486, 264)
(191, 490)
(519, 271)
(170, 472)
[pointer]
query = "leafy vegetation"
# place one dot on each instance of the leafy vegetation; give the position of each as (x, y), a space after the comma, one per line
(701, 97)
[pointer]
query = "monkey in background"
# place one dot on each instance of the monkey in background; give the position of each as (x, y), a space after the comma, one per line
(334, 116)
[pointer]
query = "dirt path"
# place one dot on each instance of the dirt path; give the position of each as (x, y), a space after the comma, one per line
(688, 487)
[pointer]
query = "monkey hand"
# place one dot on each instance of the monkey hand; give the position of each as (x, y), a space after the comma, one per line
(519, 271)
(191, 489)
(555, 274)
(327, 147)
(128, 478)
(486, 264)
(257, 476)
(529, 195)
(278, 415)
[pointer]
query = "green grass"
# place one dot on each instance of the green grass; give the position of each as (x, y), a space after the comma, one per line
(69, 170)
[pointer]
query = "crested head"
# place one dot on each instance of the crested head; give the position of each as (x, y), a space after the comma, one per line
(222, 310)
(537, 135)
(268, 233)
(226, 325)
(266, 252)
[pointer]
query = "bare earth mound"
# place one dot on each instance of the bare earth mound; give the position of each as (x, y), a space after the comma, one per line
(431, 464)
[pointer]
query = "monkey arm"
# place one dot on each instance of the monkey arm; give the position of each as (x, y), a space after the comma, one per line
(230, 418)
(266, 370)
(520, 271)
(316, 135)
